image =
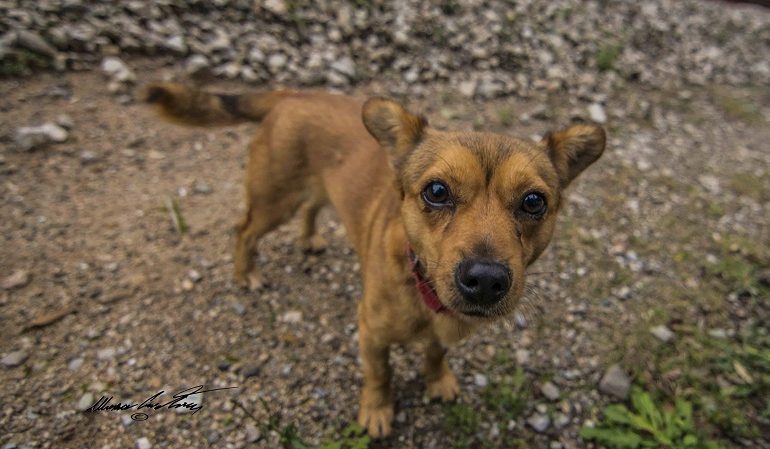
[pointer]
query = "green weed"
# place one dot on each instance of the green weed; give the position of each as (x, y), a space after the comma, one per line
(463, 422)
(22, 63)
(606, 57)
(648, 426)
(505, 115)
(507, 399)
(739, 108)
(353, 437)
(751, 186)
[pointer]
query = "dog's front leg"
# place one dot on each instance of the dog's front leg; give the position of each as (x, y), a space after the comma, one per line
(440, 381)
(376, 410)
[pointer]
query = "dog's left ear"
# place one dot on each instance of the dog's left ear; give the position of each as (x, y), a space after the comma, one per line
(573, 149)
(395, 128)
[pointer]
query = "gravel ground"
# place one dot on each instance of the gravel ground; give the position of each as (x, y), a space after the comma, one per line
(662, 250)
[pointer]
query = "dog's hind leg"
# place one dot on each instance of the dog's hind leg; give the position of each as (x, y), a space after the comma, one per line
(256, 223)
(310, 240)
(270, 202)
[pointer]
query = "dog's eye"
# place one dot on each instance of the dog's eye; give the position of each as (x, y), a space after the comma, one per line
(436, 194)
(533, 204)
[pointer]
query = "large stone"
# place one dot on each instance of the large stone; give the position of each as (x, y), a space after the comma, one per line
(345, 66)
(596, 113)
(30, 137)
(117, 70)
(176, 44)
(615, 382)
(539, 422)
(86, 401)
(34, 42)
(550, 391)
(277, 7)
(13, 359)
(662, 333)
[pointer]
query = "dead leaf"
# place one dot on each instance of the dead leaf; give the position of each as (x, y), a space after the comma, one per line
(45, 319)
(742, 372)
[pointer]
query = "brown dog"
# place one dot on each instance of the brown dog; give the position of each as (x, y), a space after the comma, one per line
(444, 223)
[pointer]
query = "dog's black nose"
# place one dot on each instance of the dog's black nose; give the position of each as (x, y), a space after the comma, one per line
(482, 283)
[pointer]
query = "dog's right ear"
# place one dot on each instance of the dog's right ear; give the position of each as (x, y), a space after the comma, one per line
(395, 128)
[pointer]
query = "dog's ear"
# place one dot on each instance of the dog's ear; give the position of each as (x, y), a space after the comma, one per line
(574, 148)
(395, 128)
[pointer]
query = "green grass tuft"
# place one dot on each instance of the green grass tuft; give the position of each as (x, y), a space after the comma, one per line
(648, 425)
(606, 57)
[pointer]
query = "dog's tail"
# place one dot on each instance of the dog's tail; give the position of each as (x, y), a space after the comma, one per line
(190, 106)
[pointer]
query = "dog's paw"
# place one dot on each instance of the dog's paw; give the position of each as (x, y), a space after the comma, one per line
(315, 244)
(445, 388)
(376, 420)
(251, 282)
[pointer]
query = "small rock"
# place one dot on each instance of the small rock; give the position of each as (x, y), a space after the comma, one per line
(88, 157)
(539, 422)
(202, 188)
(251, 370)
(34, 42)
(336, 79)
(238, 308)
(176, 44)
(117, 70)
(224, 365)
(106, 353)
(187, 285)
(86, 401)
(662, 333)
(615, 382)
(65, 121)
(196, 399)
(718, 333)
(213, 437)
(467, 88)
(522, 356)
(75, 364)
(561, 420)
(143, 443)
(345, 66)
(14, 359)
(194, 275)
(196, 64)
(30, 137)
(252, 433)
(596, 113)
(17, 279)
(277, 7)
(710, 183)
(276, 62)
(550, 391)
(480, 380)
(294, 316)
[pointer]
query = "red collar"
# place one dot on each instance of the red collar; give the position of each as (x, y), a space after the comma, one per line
(427, 293)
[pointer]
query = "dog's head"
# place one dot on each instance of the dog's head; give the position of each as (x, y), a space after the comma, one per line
(478, 208)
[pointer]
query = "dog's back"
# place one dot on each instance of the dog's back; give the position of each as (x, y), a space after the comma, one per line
(309, 146)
